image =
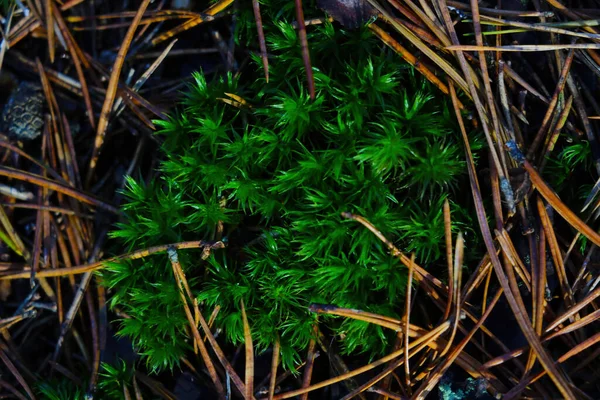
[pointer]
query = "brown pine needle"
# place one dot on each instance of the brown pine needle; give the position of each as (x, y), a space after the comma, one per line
(50, 30)
(407, 324)
(213, 10)
(11, 367)
(509, 284)
(249, 354)
(553, 138)
(422, 274)
(304, 47)
(456, 278)
(111, 91)
(274, 366)
(81, 269)
(137, 391)
(417, 42)
(525, 47)
(441, 369)
(427, 338)
(184, 289)
(562, 80)
(559, 266)
(448, 237)
(389, 370)
(310, 361)
(78, 59)
(72, 312)
(40, 164)
(179, 278)
(9, 235)
(126, 394)
(261, 38)
(59, 187)
(410, 58)
(552, 198)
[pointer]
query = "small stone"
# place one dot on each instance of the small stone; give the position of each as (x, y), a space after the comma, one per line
(350, 13)
(181, 4)
(22, 117)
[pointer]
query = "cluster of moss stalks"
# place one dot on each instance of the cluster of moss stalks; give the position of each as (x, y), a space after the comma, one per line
(269, 173)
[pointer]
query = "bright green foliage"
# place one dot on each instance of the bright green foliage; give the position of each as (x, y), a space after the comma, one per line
(5, 5)
(277, 174)
(570, 170)
(113, 377)
(110, 384)
(59, 390)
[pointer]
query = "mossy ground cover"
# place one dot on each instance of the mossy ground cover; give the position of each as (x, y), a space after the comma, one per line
(270, 172)
(279, 183)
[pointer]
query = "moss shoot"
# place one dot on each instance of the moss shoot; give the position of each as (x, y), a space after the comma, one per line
(269, 171)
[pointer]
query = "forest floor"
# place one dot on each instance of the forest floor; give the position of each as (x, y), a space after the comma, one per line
(81, 83)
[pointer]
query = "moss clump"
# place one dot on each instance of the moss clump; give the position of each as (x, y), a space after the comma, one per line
(272, 174)
(113, 381)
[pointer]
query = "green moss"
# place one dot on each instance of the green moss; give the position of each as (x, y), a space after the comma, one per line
(572, 173)
(112, 380)
(277, 173)
(6, 4)
(58, 390)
